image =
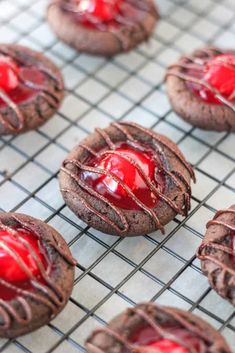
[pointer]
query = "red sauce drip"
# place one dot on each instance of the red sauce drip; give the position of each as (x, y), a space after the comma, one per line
(129, 174)
(10, 269)
(11, 81)
(147, 337)
(220, 74)
(100, 14)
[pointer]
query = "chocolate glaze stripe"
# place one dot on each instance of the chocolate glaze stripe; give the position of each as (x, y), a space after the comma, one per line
(221, 212)
(48, 95)
(27, 315)
(106, 138)
(125, 132)
(179, 181)
(89, 149)
(160, 140)
(214, 221)
(129, 192)
(220, 223)
(9, 102)
(51, 295)
(205, 342)
(26, 225)
(94, 210)
(174, 70)
(91, 348)
(102, 198)
(22, 292)
(6, 320)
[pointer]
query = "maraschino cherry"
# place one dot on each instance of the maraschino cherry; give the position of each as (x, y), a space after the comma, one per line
(165, 346)
(10, 269)
(12, 86)
(101, 9)
(8, 74)
(121, 166)
(220, 74)
(145, 340)
(97, 14)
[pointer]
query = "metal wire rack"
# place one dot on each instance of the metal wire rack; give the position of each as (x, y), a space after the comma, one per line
(114, 273)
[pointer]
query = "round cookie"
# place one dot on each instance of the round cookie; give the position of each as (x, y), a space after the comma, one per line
(31, 89)
(150, 328)
(201, 88)
(102, 27)
(36, 274)
(126, 180)
(217, 253)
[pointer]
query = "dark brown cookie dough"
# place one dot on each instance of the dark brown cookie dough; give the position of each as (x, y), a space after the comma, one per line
(217, 253)
(42, 100)
(34, 301)
(102, 214)
(181, 327)
(134, 25)
(187, 104)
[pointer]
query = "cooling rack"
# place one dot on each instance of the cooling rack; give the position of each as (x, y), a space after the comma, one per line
(114, 273)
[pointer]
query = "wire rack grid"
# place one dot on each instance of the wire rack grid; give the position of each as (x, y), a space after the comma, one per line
(114, 273)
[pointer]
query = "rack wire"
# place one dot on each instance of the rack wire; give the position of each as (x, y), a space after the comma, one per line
(114, 273)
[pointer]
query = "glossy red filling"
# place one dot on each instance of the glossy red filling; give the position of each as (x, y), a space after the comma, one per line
(10, 269)
(129, 174)
(100, 14)
(13, 78)
(147, 338)
(220, 74)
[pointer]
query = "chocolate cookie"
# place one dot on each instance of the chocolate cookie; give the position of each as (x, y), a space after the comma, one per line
(150, 328)
(102, 27)
(201, 88)
(36, 274)
(126, 180)
(31, 89)
(217, 253)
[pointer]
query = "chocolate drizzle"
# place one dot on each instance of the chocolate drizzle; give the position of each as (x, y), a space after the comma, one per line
(160, 146)
(46, 292)
(154, 316)
(48, 93)
(197, 62)
(216, 250)
(126, 25)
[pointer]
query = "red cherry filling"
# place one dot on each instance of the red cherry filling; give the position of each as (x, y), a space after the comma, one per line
(15, 249)
(166, 346)
(102, 9)
(146, 339)
(220, 74)
(124, 166)
(8, 74)
(13, 78)
(93, 13)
